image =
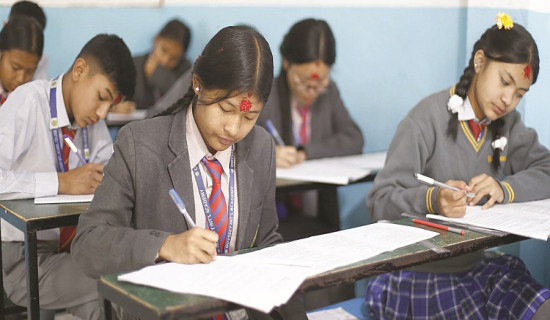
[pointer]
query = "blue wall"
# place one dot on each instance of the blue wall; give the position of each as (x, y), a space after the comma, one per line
(387, 60)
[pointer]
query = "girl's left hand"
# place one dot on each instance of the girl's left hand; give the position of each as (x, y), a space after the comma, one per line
(485, 186)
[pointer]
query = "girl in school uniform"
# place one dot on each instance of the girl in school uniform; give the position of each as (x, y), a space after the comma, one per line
(305, 106)
(159, 69)
(21, 45)
(207, 148)
(472, 137)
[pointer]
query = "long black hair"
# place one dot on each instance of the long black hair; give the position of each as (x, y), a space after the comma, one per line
(236, 59)
(23, 33)
(177, 30)
(515, 45)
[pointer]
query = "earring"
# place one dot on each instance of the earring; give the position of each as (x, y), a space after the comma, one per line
(197, 89)
(475, 65)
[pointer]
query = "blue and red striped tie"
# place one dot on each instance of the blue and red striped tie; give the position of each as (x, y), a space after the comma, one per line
(218, 206)
(303, 111)
(66, 234)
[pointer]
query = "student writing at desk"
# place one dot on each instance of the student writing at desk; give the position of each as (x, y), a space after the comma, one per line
(21, 45)
(34, 162)
(472, 137)
(157, 70)
(305, 106)
(206, 147)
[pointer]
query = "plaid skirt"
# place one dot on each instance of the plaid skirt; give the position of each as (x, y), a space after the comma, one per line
(498, 287)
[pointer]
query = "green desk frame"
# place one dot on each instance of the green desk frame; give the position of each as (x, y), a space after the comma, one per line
(151, 303)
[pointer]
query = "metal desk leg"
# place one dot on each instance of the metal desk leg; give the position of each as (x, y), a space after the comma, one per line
(31, 266)
(108, 309)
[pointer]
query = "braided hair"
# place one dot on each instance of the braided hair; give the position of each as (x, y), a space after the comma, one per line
(515, 45)
(236, 59)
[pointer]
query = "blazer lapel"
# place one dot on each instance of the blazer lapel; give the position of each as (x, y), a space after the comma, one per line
(245, 178)
(179, 168)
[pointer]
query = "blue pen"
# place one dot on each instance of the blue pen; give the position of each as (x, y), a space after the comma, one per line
(274, 132)
(73, 148)
(181, 206)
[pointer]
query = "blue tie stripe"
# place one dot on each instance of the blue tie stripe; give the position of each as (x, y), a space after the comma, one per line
(216, 201)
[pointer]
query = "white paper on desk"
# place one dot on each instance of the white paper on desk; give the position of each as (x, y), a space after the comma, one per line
(136, 115)
(528, 219)
(336, 170)
(333, 314)
(256, 285)
(65, 198)
(332, 250)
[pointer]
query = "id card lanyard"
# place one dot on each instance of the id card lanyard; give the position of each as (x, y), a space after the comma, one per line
(206, 206)
(55, 131)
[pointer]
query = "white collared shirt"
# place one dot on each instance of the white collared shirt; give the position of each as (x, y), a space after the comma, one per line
(28, 162)
(197, 150)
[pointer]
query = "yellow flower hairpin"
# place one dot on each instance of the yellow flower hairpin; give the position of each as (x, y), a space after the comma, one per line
(504, 20)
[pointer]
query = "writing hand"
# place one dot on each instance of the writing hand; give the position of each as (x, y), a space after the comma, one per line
(486, 186)
(124, 107)
(286, 156)
(81, 180)
(452, 203)
(196, 245)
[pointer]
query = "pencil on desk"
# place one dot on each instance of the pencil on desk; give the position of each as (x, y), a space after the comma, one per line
(438, 226)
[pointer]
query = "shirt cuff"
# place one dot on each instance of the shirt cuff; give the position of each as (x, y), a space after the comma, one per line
(508, 191)
(431, 200)
(46, 184)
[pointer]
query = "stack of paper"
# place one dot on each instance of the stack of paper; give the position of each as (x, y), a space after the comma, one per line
(337, 170)
(528, 219)
(65, 198)
(267, 278)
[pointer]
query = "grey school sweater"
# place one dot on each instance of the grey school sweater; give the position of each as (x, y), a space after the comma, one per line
(421, 144)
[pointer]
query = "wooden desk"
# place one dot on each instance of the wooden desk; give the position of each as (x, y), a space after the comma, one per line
(30, 218)
(153, 303)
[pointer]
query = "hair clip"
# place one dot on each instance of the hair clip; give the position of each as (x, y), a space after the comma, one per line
(454, 103)
(499, 143)
(504, 20)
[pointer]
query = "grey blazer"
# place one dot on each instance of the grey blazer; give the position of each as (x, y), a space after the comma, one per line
(132, 213)
(333, 131)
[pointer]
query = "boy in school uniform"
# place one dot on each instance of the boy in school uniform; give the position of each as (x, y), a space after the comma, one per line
(34, 163)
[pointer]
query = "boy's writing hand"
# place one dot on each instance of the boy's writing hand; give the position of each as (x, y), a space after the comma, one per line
(124, 107)
(196, 245)
(81, 180)
(485, 186)
(452, 203)
(287, 156)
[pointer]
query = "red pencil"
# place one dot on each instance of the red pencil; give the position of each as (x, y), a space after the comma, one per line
(438, 226)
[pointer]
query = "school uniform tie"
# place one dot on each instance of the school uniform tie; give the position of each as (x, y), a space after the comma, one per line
(303, 111)
(66, 234)
(3, 97)
(218, 206)
(476, 128)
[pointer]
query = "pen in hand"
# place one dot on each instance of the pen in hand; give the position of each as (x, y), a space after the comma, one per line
(73, 148)
(181, 206)
(271, 128)
(432, 182)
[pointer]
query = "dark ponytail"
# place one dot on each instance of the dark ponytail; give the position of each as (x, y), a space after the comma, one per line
(515, 45)
(237, 59)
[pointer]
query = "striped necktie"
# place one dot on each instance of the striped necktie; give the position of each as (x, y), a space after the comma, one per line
(66, 234)
(303, 111)
(218, 206)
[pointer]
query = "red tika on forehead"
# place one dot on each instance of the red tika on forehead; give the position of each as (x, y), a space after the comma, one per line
(527, 72)
(245, 105)
(314, 76)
